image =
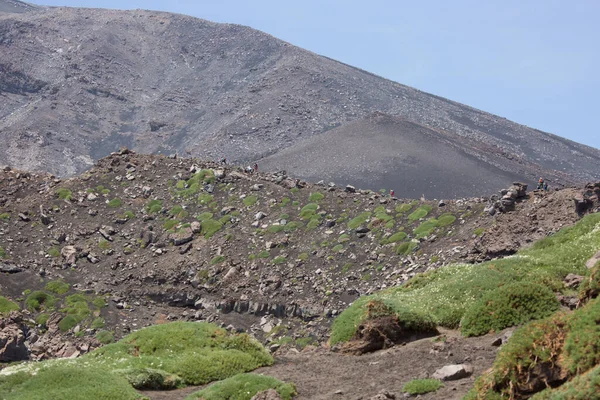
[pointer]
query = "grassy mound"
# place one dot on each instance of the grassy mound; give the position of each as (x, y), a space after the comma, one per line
(445, 295)
(244, 387)
(508, 305)
(158, 357)
(7, 306)
(74, 382)
(545, 353)
(197, 352)
(421, 386)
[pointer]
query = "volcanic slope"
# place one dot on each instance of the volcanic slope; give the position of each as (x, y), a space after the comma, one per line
(75, 84)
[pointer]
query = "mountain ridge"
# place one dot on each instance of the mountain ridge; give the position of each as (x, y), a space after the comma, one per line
(94, 80)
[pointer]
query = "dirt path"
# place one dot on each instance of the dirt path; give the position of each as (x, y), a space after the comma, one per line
(319, 374)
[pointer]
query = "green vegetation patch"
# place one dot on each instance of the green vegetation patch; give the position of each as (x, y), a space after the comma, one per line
(509, 305)
(64, 194)
(404, 208)
(395, 238)
(115, 203)
(406, 248)
(39, 300)
(563, 346)
(445, 220)
(210, 227)
(244, 387)
(359, 220)
(426, 228)
(154, 206)
(316, 197)
(4, 217)
(105, 337)
(69, 380)
(197, 352)
(7, 306)
(422, 386)
(204, 216)
(446, 294)
(309, 211)
(250, 201)
(58, 287)
(170, 224)
(217, 260)
(420, 212)
(3, 253)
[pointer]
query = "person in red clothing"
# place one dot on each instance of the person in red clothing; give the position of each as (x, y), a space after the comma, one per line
(392, 193)
(255, 167)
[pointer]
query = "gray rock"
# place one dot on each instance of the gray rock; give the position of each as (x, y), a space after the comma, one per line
(453, 372)
(270, 394)
(350, 189)
(260, 215)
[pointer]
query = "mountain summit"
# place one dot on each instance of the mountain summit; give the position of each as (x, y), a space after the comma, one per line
(76, 84)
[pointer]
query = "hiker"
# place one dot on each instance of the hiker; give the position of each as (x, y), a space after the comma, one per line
(223, 161)
(255, 167)
(545, 186)
(540, 185)
(392, 193)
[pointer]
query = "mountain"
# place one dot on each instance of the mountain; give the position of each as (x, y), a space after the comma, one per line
(76, 84)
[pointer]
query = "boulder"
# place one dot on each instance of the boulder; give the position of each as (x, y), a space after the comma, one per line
(69, 253)
(591, 263)
(12, 338)
(350, 189)
(182, 237)
(453, 372)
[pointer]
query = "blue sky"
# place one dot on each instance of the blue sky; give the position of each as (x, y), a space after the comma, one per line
(535, 62)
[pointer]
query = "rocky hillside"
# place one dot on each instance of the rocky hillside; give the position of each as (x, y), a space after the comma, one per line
(140, 240)
(76, 84)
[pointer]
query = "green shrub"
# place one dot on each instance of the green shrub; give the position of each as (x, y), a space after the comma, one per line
(42, 319)
(39, 300)
(210, 227)
(285, 201)
(403, 208)
(509, 305)
(150, 379)
(114, 203)
(479, 231)
(104, 244)
(105, 337)
(314, 223)
(204, 216)
(64, 194)
(316, 197)
(279, 260)
(67, 381)
(97, 323)
(445, 220)
(129, 214)
(250, 201)
(337, 248)
(3, 253)
(309, 211)
(244, 387)
(217, 260)
(99, 302)
(303, 256)
(205, 199)
(7, 306)
(77, 305)
(359, 220)
(4, 217)
(154, 206)
(58, 287)
(68, 322)
(396, 237)
(197, 352)
(344, 238)
(419, 213)
(426, 228)
(406, 248)
(264, 254)
(276, 228)
(54, 252)
(590, 287)
(292, 226)
(422, 386)
(170, 224)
